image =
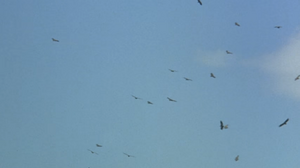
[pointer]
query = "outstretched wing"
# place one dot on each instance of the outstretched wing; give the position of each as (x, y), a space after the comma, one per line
(200, 2)
(222, 126)
(284, 123)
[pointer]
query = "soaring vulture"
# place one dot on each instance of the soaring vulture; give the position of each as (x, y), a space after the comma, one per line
(212, 75)
(53, 39)
(187, 79)
(200, 2)
(237, 24)
(284, 123)
(171, 99)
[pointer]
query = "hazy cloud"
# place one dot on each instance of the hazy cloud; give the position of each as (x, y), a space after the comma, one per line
(284, 66)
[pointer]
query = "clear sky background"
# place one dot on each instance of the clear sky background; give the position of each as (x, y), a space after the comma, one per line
(59, 99)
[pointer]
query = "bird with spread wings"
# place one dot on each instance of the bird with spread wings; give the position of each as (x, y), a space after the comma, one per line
(284, 123)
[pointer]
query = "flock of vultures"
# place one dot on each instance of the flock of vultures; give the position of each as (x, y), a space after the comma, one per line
(222, 126)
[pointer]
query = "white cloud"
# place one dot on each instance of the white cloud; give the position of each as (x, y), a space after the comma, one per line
(284, 66)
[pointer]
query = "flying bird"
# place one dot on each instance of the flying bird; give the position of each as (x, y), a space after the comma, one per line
(200, 2)
(236, 23)
(212, 75)
(136, 97)
(93, 152)
(236, 158)
(128, 155)
(149, 102)
(228, 52)
(298, 77)
(171, 99)
(98, 145)
(284, 123)
(53, 39)
(221, 125)
(187, 79)
(278, 27)
(172, 70)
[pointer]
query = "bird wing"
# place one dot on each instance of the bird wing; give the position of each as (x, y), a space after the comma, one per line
(222, 126)
(200, 2)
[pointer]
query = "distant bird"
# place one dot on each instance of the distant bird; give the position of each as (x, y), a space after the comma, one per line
(128, 155)
(200, 2)
(212, 75)
(298, 77)
(237, 24)
(171, 99)
(187, 79)
(93, 152)
(221, 125)
(136, 97)
(278, 27)
(53, 39)
(172, 70)
(98, 145)
(228, 52)
(149, 102)
(284, 123)
(236, 158)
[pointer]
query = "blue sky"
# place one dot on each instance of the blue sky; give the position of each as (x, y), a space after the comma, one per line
(60, 99)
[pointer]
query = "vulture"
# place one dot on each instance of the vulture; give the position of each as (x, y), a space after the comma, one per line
(136, 97)
(223, 126)
(93, 152)
(53, 39)
(298, 77)
(172, 70)
(127, 155)
(171, 99)
(187, 79)
(98, 145)
(236, 158)
(278, 27)
(284, 123)
(200, 2)
(212, 75)
(236, 23)
(228, 52)
(149, 102)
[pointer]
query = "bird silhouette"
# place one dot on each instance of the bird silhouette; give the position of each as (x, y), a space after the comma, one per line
(149, 102)
(136, 97)
(221, 125)
(93, 152)
(171, 99)
(172, 70)
(297, 78)
(284, 123)
(128, 155)
(187, 79)
(98, 145)
(212, 75)
(200, 2)
(236, 158)
(53, 39)
(228, 52)
(278, 27)
(237, 24)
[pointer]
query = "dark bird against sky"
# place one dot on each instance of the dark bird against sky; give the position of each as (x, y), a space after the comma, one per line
(171, 99)
(200, 2)
(93, 152)
(297, 78)
(149, 102)
(284, 123)
(187, 79)
(212, 75)
(236, 158)
(228, 52)
(98, 145)
(53, 39)
(136, 97)
(172, 70)
(222, 126)
(128, 155)
(278, 27)
(237, 24)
